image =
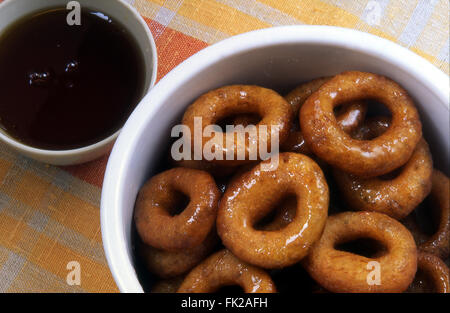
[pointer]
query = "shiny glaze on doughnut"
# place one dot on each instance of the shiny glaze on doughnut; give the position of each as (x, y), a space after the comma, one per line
(255, 193)
(299, 94)
(362, 158)
(167, 264)
(224, 269)
(154, 223)
(341, 271)
(348, 116)
(396, 197)
(223, 102)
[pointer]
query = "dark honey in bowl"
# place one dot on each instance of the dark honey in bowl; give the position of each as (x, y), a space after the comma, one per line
(64, 87)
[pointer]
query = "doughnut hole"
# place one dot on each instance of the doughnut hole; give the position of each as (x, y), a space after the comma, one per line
(239, 119)
(281, 216)
(372, 127)
(367, 247)
(180, 202)
(349, 118)
(376, 108)
(243, 119)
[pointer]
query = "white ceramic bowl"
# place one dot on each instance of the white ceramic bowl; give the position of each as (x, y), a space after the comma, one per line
(13, 10)
(277, 58)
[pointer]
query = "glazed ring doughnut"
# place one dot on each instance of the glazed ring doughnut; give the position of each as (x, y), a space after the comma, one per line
(439, 243)
(341, 271)
(252, 195)
(168, 264)
(224, 269)
(396, 197)
(434, 270)
(221, 103)
(348, 116)
(284, 212)
(161, 194)
(367, 158)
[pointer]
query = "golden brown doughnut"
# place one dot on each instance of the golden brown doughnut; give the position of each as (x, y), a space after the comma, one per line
(396, 197)
(299, 94)
(348, 116)
(254, 194)
(157, 198)
(341, 271)
(216, 105)
(366, 158)
(284, 212)
(224, 269)
(166, 264)
(439, 243)
(431, 269)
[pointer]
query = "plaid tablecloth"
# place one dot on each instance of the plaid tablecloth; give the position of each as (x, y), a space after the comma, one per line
(49, 215)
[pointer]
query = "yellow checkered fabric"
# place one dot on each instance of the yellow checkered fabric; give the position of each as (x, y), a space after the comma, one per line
(49, 216)
(420, 25)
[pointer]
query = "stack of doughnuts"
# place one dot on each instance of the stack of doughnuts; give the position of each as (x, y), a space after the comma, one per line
(344, 202)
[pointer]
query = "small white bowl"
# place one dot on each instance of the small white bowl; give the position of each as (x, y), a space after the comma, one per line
(13, 10)
(278, 58)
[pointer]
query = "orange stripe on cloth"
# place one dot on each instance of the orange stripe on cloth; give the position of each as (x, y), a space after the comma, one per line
(91, 172)
(173, 47)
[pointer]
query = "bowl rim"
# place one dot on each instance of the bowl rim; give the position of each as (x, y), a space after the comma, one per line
(112, 225)
(30, 150)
